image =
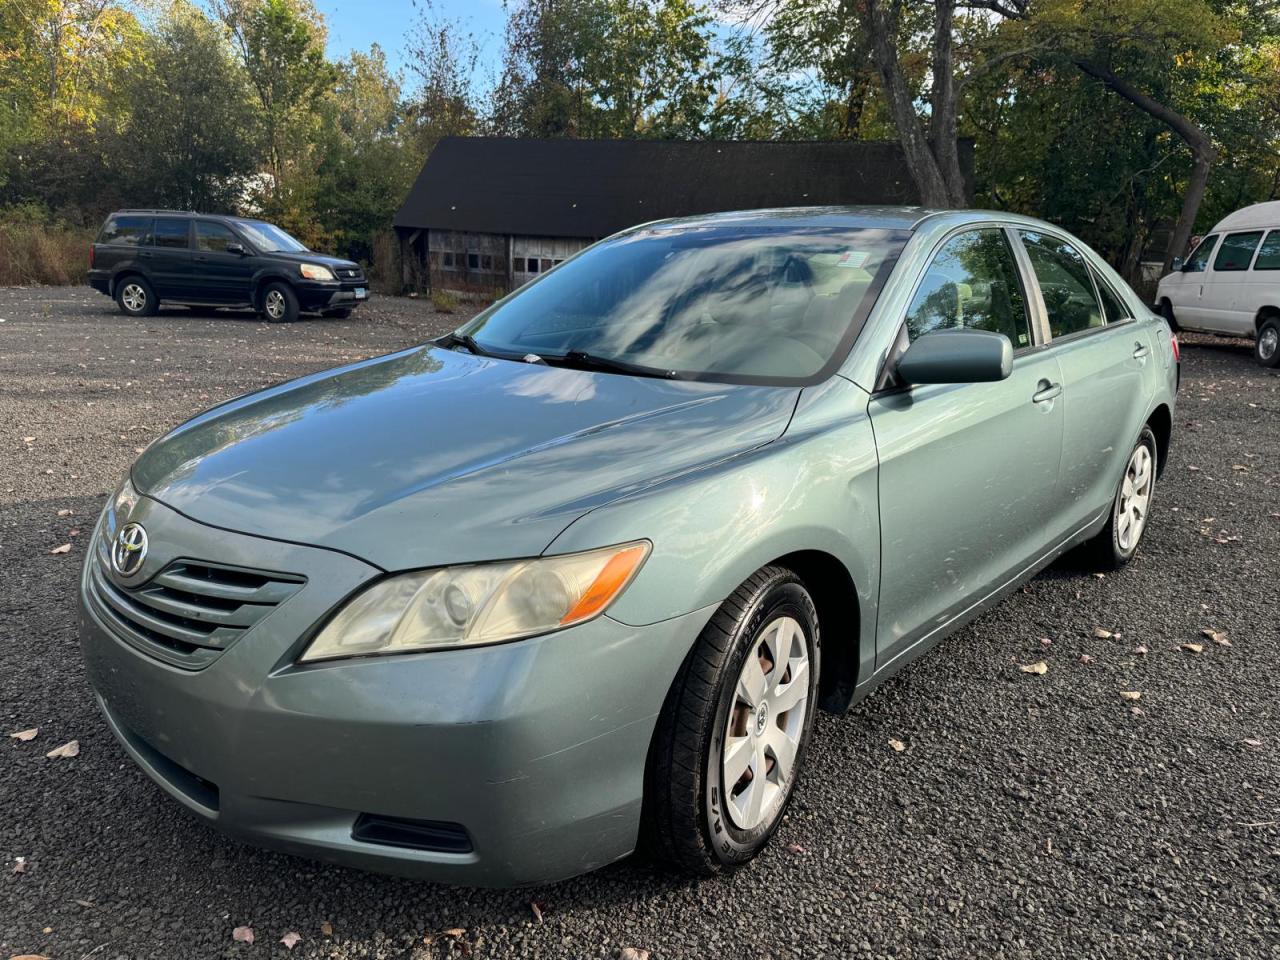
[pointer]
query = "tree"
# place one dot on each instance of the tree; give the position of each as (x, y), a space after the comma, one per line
(443, 58)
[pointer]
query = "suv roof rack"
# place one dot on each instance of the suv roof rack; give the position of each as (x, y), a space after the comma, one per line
(185, 213)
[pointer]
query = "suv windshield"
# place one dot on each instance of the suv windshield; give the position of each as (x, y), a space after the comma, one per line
(268, 238)
(733, 303)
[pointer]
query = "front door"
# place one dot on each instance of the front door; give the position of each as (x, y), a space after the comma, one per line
(222, 276)
(967, 471)
(1186, 294)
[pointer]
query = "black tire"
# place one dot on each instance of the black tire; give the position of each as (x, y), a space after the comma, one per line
(687, 822)
(1166, 311)
(278, 302)
(1105, 551)
(1266, 348)
(135, 298)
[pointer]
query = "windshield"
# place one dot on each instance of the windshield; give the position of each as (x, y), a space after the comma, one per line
(733, 303)
(268, 238)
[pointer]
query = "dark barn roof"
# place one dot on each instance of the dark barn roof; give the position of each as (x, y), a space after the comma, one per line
(592, 188)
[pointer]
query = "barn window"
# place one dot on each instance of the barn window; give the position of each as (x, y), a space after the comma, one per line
(473, 261)
(486, 262)
(533, 265)
(546, 263)
(446, 259)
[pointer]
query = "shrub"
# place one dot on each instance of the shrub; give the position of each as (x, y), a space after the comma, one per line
(444, 301)
(32, 253)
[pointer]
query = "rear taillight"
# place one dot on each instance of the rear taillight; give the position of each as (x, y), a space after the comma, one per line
(91, 256)
(1177, 351)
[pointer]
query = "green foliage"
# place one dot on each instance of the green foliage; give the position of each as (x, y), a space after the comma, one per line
(444, 301)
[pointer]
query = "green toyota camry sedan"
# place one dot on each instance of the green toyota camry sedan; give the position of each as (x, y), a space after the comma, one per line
(576, 577)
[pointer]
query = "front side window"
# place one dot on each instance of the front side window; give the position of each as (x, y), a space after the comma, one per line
(1236, 251)
(129, 231)
(972, 284)
(171, 233)
(1198, 262)
(1269, 255)
(1065, 284)
(268, 238)
(729, 302)
(213, 237)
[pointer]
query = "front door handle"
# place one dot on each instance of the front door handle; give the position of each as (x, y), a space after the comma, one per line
(1140, 351)
(1045, 391)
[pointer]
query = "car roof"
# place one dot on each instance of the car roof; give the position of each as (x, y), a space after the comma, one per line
(853, 217)
(1258, 215)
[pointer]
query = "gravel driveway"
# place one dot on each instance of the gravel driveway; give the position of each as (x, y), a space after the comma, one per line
(1027, 816)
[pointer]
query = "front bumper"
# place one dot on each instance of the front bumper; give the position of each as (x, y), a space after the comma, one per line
(344, 295)
(535, 748)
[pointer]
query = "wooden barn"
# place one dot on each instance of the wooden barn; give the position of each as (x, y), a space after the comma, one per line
(491, 213)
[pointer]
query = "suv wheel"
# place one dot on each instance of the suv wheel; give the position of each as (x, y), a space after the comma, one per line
(733, 733)
(279, 303)
(1266, 349)
(1118, 541)
(135, 298)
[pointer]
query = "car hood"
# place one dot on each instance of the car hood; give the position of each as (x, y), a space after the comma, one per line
(309, 257)
(433, 456)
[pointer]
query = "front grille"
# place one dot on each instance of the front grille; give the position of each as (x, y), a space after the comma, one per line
(191, 611)
(350, 273)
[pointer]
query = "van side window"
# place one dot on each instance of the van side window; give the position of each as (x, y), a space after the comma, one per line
(1237, 250)
(1112, 304)
(1198, 262)
(130, 231)
(1269, 255)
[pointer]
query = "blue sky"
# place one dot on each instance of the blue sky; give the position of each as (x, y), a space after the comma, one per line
(356, 25)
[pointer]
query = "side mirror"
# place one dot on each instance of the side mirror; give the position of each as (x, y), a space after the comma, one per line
(957, 356)
(234, 247)
(1177, 264)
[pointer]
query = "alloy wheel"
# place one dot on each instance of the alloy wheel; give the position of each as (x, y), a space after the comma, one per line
(134, 298)
(1135, 498)
(275, 304)
(765, 723)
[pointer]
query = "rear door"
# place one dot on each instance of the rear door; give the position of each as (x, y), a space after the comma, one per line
(223, 276)
(170, 256)
(1104, 356)
(968, 472)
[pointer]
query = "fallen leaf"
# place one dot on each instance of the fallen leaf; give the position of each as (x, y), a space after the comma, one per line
(25, 735)
(20, 865)
(87, 904)
(1131, 694)
(897, 745)
(1137, 711)
(1140, 650)
(456, 932)
(69, 749)
(64, 513)
(796, 848)
(290, 940)
(1039, 667)
(30, 956)
(1046, 642)
(1102, 634)
(65, 548)
(633, 953)
(1217, 636)
(73, 532)
(1085, 658)
(1239, 466)
(537, 910)
(1251, 742)
(242, 934)
(28, 439)
(326, 928)
(1192, 647)
(1100, 576)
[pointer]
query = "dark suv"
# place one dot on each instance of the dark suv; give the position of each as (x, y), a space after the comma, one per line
(144, 257)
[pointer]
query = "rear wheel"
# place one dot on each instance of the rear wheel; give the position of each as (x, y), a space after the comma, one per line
(1266, 349)
(735, 728)
(135, 297)
(1166, 311)
(1118, 541)
(279, 303)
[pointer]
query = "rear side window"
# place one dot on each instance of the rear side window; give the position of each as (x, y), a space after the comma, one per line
(213, 237)
(1112, 304)
(1198, 262)
(1269, 255)
(1237, 250)
(129, 231)
(972, 284)
(1065, 284)
(171, 233)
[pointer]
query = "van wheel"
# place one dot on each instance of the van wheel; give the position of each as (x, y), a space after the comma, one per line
(1117, 542)
(1266, 349)
(135, 298)
(732, 735)
(1166, 311)
(279, 303)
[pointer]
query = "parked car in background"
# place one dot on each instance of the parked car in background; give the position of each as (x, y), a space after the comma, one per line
(492, 609)
(143, 258)
(1230, 283)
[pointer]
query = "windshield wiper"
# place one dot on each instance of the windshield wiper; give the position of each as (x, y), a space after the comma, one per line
(586, 361)
(455, 339)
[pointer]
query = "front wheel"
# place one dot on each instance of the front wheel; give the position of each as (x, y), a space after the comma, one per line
(1266, 349)
(1118, 541)
(734, 731)
(280, 303)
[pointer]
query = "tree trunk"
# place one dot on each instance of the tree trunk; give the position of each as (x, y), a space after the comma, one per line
(943, 102)
(1202, 149)
(880, 20)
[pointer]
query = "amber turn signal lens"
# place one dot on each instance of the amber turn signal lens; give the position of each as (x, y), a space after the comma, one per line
(617, 573)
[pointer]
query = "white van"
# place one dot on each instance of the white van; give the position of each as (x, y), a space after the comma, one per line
(1230, 284)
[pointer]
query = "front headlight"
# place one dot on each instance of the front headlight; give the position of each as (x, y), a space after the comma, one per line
(478, 603)
(313, 271)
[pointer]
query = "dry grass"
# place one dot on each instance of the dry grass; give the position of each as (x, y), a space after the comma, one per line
(36, 254)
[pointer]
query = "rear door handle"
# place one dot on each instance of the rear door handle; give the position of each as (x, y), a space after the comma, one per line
(1045, 391)
(1140, 351)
